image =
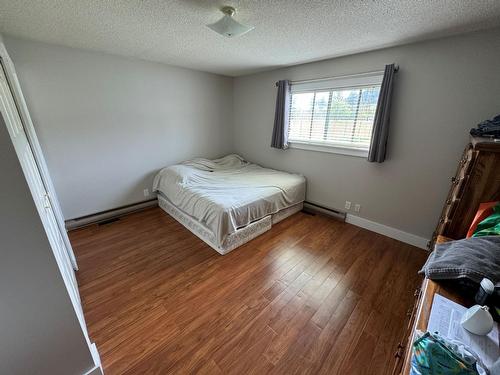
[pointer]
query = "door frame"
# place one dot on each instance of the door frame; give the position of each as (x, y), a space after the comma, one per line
(29, 129)
(20, 107)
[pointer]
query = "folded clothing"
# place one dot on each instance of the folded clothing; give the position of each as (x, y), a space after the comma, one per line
(490, 226)
(487, 128)
(484, 211)
(473, 258)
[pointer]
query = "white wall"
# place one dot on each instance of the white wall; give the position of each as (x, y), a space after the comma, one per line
(39, 330)
(107, 124)
(444, 87)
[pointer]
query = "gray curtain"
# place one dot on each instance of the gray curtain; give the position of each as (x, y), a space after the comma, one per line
(281, 115)
(380, 130)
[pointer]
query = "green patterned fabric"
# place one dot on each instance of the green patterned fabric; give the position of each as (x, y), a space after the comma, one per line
(489, 226)
(432, 356)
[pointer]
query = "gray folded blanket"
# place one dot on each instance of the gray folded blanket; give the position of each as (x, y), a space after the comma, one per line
(474, 258)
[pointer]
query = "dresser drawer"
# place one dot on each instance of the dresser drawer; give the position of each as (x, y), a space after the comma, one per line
(403, 349)
(458, 187)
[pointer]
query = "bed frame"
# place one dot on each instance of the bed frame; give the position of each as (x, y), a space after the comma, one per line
(234, 240)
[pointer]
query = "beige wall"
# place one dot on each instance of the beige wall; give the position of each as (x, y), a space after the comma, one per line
(107, 124)
(444, 87)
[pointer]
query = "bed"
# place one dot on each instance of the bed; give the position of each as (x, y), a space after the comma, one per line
(228, 201)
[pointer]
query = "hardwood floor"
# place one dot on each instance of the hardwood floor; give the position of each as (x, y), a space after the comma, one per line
(311, 296)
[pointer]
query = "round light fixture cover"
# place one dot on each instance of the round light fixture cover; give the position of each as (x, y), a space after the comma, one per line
(228, 26)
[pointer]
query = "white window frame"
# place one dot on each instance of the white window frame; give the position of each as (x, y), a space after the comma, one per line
(335, 83)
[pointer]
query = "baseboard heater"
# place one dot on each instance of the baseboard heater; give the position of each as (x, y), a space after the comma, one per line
(316, 208)
(107, 215)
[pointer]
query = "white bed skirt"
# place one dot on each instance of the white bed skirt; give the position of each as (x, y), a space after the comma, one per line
(234, 240)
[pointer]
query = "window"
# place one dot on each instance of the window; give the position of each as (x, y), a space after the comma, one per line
(334, 115)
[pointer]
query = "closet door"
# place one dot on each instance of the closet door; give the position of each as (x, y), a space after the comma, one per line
(38, 191)
(15, 89)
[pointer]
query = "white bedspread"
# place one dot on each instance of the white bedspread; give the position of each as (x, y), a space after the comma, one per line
(228, 193)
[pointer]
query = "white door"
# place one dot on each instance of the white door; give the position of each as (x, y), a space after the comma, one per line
(29, 130)
(40, 196)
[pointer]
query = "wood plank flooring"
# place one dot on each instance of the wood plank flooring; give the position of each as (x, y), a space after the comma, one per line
(311, 296)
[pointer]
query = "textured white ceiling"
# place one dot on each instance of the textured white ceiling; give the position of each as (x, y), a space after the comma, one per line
(286, 31)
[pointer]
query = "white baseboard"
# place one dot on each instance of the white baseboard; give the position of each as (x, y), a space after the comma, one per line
(397, 234)
(95, 371)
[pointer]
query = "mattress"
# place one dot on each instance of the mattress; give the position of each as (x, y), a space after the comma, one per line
(229, 193)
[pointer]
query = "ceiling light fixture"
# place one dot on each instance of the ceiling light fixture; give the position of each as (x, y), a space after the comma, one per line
(228, 26)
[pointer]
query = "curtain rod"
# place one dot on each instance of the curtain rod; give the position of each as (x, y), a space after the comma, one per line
(396, 68)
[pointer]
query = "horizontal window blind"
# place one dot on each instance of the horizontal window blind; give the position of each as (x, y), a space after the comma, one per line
(340, 117)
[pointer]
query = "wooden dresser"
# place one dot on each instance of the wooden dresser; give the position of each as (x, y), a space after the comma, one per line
(419, 317)
(477, 180)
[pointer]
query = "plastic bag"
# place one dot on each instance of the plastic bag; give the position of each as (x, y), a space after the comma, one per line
(433, 355)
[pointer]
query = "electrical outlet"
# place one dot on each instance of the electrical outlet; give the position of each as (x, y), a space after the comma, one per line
(347, 205)
(357, 207)
(146, 192)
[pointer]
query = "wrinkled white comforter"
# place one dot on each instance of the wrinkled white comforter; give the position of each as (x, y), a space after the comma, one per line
(228, 193)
